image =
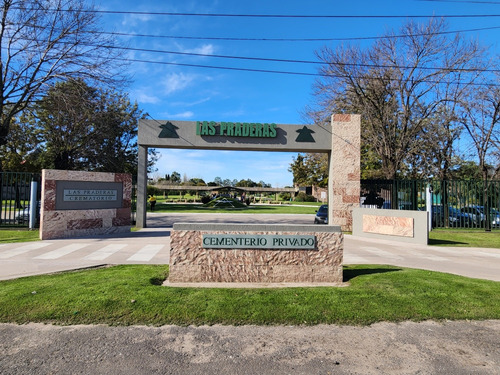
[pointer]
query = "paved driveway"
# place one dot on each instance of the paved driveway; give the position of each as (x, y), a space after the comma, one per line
(152, 245)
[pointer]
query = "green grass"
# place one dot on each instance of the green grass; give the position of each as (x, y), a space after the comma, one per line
(9, 235)
(465, 238)
(126, 295)
(252, 209)
(316, 204)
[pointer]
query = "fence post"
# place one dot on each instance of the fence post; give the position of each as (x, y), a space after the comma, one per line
(33, 204)
(394, 197)
(428, 201)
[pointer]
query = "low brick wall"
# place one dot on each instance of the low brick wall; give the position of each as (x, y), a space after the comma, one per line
(191, 262)
(61, 219)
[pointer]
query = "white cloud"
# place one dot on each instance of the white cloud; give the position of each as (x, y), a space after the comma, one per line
(177, 82)
(144, 98)
(181, 115)
(190, 104)
(206, 49)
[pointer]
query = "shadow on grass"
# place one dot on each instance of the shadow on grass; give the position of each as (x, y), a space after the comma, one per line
(351, 273)
(158, 281)
(445, 242)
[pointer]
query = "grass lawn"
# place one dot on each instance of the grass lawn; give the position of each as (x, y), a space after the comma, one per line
(14, 235)
(125, 295)
(465, 238)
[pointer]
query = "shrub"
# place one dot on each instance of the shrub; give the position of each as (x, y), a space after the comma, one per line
(153, 190)
(303, 197)
(285, 196)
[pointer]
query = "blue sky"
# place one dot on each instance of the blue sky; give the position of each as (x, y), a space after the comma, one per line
(174, 92)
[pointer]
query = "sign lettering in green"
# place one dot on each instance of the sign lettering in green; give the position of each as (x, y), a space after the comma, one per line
(236, 129)
(259, 241)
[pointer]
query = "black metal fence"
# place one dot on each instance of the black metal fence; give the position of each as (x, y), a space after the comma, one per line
(15, 193)
(465, 203)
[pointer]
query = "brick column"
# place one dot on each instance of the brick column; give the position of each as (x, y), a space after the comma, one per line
(344, 169)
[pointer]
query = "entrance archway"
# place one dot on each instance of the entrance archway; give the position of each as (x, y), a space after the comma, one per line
(340, 140)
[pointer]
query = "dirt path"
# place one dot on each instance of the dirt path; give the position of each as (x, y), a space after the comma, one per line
(384, 348)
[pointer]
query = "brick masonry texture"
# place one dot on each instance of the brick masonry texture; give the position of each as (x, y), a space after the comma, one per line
(76, 223)
(345, 168)
(191, 263)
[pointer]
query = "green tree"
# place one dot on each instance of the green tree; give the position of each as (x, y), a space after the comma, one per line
(310, 169)
(85, 128)
(197, 182)
(175, 177)
(246, 183)
(299, 171)
(22, 152)
(466, 170)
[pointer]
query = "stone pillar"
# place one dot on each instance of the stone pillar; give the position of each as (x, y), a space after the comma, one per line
(344, 170)
(142, 182)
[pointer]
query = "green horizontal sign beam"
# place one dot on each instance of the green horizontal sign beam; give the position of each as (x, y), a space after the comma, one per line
(259, 241)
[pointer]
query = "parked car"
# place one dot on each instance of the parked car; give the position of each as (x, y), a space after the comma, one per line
(476, 215)
(23, 216)
(321, 215)
(495, 217)
(456, 218)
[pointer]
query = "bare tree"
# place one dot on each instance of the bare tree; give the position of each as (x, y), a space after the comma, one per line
(481, 118)
(399, 85)
(46, 41)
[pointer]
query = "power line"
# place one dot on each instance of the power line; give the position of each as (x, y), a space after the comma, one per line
(294, 39)
(285, 72)
(228, 15)
(263, 59)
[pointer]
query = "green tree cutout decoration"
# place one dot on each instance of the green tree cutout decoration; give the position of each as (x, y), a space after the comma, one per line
(168, 130)
(305, 135)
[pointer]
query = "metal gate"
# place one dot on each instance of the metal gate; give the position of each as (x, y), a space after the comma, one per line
(455, 203)
(15, 193)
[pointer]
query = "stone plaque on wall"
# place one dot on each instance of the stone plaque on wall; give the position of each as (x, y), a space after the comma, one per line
(260, 241)
(85, 195)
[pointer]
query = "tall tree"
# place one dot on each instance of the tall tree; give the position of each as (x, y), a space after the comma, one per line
(43, 42)
(175, 177)
(481, 119)
(85, 128)
(113, 145)
(299, 171)
(23, 151)
(480, 112)
(310, 169)
(397, 85)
